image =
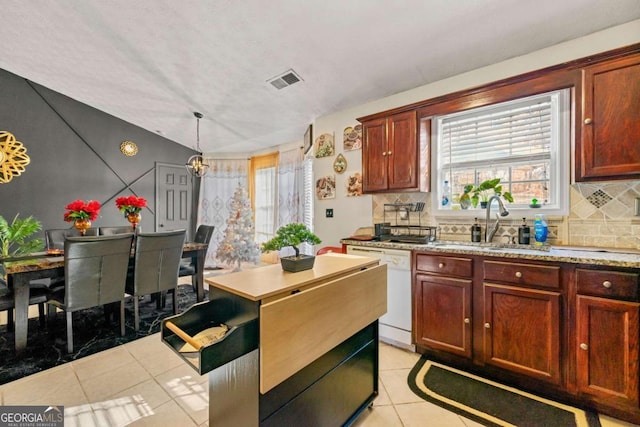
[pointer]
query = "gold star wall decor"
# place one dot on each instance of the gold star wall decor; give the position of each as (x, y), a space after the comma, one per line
(13, 157)
(129, 148)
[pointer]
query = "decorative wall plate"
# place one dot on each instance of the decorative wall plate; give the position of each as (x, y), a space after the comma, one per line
(13, 157)
(340, 164)
(324, 145)
(354, 185)
(352, 138)
(326, 187)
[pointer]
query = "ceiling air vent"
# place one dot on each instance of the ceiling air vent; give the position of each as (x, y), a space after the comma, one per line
(286, 79)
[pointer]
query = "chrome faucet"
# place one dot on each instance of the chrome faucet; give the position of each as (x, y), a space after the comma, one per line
(488, 235)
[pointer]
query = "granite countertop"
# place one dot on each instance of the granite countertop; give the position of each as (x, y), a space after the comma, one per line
(570, 254)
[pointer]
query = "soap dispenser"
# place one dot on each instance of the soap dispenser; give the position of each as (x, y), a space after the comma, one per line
(541, 230)
(476, 232)
(524, 233)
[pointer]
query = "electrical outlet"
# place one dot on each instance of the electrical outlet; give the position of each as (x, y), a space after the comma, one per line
(328, 213)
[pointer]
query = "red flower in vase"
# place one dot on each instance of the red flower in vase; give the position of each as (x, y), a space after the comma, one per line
(131, 204)
(79, 209)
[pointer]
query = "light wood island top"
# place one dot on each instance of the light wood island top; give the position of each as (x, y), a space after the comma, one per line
(261, 283)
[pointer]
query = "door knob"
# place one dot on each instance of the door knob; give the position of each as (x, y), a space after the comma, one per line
(606, 284)
(487, 325)
(467, 320)
(518, 274)
(587, 121)
(161, 225)
(583, 346)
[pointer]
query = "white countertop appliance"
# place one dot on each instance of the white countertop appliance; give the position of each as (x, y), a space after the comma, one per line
(395, 325)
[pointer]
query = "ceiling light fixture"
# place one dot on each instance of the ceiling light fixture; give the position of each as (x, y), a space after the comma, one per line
(196, 165)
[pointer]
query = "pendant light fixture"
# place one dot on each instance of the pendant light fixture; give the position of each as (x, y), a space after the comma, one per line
(196, 165)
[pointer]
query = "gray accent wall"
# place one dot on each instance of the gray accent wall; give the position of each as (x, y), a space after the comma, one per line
(75, 154)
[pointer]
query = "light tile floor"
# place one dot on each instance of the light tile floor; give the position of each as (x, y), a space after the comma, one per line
(143, 383)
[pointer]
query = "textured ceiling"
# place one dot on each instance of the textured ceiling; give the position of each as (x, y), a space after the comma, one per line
(154, 62)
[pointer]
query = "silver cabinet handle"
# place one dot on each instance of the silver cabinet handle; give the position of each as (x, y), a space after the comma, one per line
(583, 346)
(518, 274)
(606, 284)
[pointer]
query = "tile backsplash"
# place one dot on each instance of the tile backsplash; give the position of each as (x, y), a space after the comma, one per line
(601, 214)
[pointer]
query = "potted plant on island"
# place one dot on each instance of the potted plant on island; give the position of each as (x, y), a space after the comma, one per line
(293, 235)
(485, 190)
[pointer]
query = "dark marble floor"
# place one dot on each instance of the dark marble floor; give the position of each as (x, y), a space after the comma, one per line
(46, 346)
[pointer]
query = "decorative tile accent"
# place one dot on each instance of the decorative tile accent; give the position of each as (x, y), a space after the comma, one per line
(599, 198)
(601, 214)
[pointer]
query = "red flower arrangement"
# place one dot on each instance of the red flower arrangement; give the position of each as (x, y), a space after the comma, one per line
(80, 210)
(131, 204)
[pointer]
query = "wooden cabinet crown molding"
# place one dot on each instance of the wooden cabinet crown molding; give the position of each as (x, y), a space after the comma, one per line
(474, 92)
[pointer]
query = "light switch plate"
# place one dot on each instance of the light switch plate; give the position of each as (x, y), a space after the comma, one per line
(328, 213)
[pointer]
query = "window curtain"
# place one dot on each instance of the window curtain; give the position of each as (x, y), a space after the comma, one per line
(291, 195)
(216, 191)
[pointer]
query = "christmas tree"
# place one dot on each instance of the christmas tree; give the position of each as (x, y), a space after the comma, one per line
(238, 244)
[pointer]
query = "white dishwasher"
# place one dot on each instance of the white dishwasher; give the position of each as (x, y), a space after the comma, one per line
(395, 326)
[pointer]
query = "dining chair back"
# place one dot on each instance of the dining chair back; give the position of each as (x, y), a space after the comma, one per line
(110, 231)
(189, 266)
(156, 264)
(54, 237)
(95, 273)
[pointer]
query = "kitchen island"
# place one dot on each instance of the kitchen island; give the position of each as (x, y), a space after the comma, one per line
(301, 349)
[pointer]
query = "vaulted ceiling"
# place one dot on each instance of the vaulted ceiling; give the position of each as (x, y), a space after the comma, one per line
(154, 62)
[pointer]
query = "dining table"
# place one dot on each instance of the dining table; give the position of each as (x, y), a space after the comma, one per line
(21, 271)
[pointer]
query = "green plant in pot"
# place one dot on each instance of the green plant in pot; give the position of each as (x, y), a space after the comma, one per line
(15, 236)
(483, 192)
(293, 235)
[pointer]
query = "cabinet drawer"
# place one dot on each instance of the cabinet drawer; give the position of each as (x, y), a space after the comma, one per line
(614, 284)
(522, 274)
(451, 266)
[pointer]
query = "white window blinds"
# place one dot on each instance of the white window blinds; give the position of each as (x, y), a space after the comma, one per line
(523, 142)
(504, 135)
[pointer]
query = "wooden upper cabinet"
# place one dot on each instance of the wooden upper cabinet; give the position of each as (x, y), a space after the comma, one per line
(609, 147)
(373, 160)
(391, 159)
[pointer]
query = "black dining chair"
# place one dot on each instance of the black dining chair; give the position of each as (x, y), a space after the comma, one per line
(155, 270)
(95, 273)
(54, 237)
(110, 231)
(189, 266)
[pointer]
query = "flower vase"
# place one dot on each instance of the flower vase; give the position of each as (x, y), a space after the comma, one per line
(134, 218)
(82, 225)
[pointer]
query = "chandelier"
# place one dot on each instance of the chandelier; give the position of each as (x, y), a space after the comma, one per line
(196, 165)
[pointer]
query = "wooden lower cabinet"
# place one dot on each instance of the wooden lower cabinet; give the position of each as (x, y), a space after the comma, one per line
(522, 331)
(444, 310)
(608, 345)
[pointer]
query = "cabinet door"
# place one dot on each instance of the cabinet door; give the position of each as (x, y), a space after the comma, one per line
(607, 354)
(522, 331)
(443, 314)
(374, 155)
(610, 124)
(402, 154)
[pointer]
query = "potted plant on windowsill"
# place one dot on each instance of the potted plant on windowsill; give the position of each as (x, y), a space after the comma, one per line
(293, 235)
(485, 190)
